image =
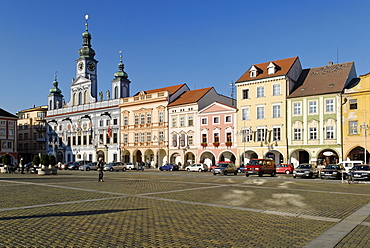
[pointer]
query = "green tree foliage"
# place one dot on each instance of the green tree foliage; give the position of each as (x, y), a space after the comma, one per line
(36, 160)
(6, 159)
(45, 160)
(52, 160)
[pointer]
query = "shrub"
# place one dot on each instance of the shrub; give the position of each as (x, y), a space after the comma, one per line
(6, 159)
(36, 160)
(45, 160)
(52, 160)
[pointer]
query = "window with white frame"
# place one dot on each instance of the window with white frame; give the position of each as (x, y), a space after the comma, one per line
(101, 123)
(329, 132)
(312, 107)
(261, 134)
(353, 104)
(297, 134)
(353, 127)
(125, 138)
(276, 132)
(216, 137)
(313, 133)
(148, 136)
(142, 137)
(204, 138)
(297, 108)
(125, 120)
(246, 135)
(161, 117)
(190, 140)
(2, 131)
(245, 114)
(161, 136)
(142, 119)
(136, 138)
(228, 119)
(190, 121)
(276, 90)
(245, 94)
(260, 91)
(204, 121)
(182, 121)
(216, 120)
(148, 118)
(174, 121)
(329, 105)
(276, 111)
(260, 112)
(136, 119)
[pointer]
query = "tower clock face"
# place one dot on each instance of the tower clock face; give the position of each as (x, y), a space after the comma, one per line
(80, 66)
(90, 66)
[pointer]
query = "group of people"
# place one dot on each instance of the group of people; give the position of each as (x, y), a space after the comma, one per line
(20, 168)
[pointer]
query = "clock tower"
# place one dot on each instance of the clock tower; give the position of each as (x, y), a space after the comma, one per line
(84, 87)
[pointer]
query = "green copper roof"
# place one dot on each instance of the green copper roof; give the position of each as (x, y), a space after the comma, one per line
(86, 51)
(121, 73)
(55, 90)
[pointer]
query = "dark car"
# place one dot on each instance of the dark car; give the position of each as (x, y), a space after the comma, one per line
(224, 168)
(305, 170)
(360, 172)
(333, 171)
(76, 165)
(169, 167)
(260, 167)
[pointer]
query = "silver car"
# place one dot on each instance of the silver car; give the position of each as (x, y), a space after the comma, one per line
(197, 167)
(306, 170)
(89, 166)
(115, 166)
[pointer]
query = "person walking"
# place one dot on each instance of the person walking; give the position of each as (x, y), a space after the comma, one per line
(100, 169)
(21, 165)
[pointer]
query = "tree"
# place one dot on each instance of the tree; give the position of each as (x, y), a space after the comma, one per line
(36, 160)
(52, 160)
(6, 159)
(45, 160)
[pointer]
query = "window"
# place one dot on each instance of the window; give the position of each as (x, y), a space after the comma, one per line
(276, 90)
(101, 138)
(228, 137)
(136, 119)
(329, 105)
(161, 117)
(353, 104)
(115, 121)
(353, 127)
(245, 94)
(204, 138)
(297, 134)
(216, 120)
(313, 133)
(136, 138)
(190, 140)
(2, 131)
(216, 137)
(125, 138)
(149, 118)
(142, 119)
(245, 114)
(261, 134)
(246, 135)
(297, 108)
(115, 138)
(260, 91)
(148, 136)
(142, 137)
(84, 140)
(125, 120)
(312, 107)
(204, 121)
(101, 123)
(161, 135)
(20, 136)
(260, 112)
(26, 136)
(182, 121)
(329, 132)
(79, 140)
(228, 119)
(190, 121)
(276, 132)
(276, 111)
(174, 120)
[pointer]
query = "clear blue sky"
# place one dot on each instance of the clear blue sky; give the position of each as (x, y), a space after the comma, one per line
(203, 43)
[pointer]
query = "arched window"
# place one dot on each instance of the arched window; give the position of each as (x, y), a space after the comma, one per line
(116, 92)
(74, 99)
(79, 98)
(51, 104)
(85, 97)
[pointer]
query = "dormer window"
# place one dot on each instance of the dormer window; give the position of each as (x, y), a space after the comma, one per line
(253, 72)
(271, 68)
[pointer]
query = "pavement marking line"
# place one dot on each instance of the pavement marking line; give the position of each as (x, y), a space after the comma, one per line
(332, 236)
(60, 203)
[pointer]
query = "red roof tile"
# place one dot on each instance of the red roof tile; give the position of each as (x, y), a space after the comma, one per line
(283, 67)
(170, 89)
(190, 96)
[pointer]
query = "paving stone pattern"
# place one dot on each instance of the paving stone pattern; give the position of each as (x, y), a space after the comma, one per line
(176, 209)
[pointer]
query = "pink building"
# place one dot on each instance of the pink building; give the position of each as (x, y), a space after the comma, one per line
(217, 134)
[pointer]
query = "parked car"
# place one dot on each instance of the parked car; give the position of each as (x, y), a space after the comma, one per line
(334, 171)
(65, 166)
(348, 164)
(115, 166)
(76, 165)
(169, 167)
(130, 166)
(284, 168)
(260, 167)
(224, 168)
(241, 169)
(89, 166)
(197, 167)
(305, 170)
(360, 172)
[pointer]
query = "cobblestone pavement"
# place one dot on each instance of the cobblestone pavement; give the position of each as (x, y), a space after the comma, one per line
(181, 209)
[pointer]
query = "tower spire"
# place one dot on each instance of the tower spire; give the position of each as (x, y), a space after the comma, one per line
(86, 51)
(121, 73)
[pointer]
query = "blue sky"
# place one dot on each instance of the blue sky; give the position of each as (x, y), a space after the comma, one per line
(202, 43)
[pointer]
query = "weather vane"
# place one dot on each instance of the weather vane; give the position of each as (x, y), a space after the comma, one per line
(55, 75)
(86, 18)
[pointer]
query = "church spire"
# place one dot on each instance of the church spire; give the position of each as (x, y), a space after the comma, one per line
(86, 51)
(55, 90)
(121, 73)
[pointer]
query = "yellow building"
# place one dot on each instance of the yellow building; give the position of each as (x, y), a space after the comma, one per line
(261, 100)
(356, 120)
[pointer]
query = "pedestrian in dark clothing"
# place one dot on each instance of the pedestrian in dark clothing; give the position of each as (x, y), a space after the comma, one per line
(21, 165)
(100, 169)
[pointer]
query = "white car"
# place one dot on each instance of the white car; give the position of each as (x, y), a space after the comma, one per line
(130, 166)
(197, 167)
